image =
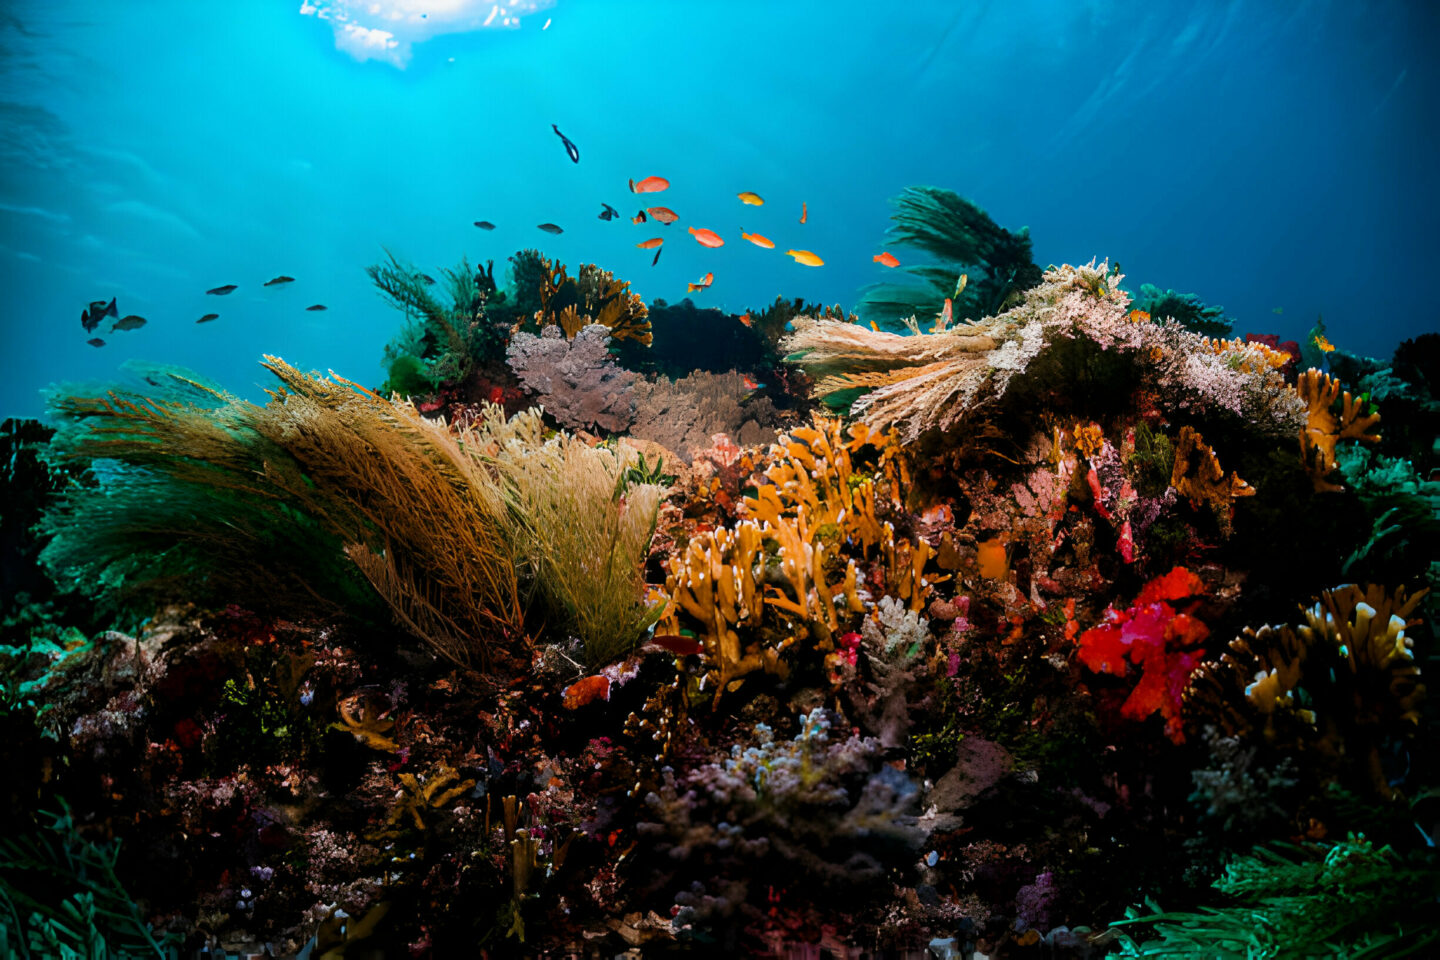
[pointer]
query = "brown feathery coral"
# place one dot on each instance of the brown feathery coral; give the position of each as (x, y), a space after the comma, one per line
(595, 296)
(1197, 475)
(1323, 429)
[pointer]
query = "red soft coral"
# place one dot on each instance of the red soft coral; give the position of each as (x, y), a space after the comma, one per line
(1154, 637)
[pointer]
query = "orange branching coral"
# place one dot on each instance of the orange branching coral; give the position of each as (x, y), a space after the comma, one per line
(595, 296)
(1323, 429)
(1197, 474)
(905, 565)
(814, 478)
(1341, 681)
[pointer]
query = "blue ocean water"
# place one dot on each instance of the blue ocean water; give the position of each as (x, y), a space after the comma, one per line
(1277, 159)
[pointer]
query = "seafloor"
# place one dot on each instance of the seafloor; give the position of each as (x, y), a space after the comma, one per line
(1085, 626)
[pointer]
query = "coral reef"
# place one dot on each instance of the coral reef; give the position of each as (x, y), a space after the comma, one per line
(685, 415)
(576, 379)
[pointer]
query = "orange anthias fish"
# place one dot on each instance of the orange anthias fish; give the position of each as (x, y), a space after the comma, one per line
(638, 218)
(707, 238)
(753, 199)
(804, 211)
(705, 281)
(886, 258)
(663, 214)
(1325, 345)
(806, 257)
(650, 185)
(745, 318)
(651, 243)
(1139, 316)
(946, 313)
(750, 382)
(758, 240)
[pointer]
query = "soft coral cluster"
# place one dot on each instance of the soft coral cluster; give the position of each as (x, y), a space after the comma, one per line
(1158, 640)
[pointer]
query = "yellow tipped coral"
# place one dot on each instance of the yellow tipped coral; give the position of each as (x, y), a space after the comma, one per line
(1342, 681)
(595, 296)
(1324, 429)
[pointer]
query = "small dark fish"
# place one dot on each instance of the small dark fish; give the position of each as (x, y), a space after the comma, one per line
(222, 291)
(132, 322)
(551, 228)
(657, 256)
(638, 218)
(484, 224)
(102, 309)
(282, 279)
(95, 342)
(609, 213)
(569, 147)
(88, 320)
(427, 278)
(317, 306)
(208, 317)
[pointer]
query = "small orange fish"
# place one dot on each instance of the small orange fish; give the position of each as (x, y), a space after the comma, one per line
(805, 257)
(886, 258)
(707, 238)
(1139, 316)
(758, 240)
(946, 313)
(651, 243)
(650, 185)
(1325, 345)
(874, 326)
(663, 214)
(745, 318)
(750, 382)
(753, 199)
(705, 281)
(804, 211)
(638, 218)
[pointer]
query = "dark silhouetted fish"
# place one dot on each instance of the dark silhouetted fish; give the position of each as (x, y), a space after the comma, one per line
(208, 317)
(317, 306)
(223, 291)
(427, 278)
(279, 281)
(484, 224)
(609, 213)
(97, 311)
(570, 148)
(657, 256)
(132, 322)
(551, 228)
(95, 342)
(88, 320)
(638, 218)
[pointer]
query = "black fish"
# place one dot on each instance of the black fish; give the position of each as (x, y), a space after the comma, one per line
(132, 322)
(102, 309)
(96, 341)
(427, 278)
(208, 317)
(279, 280)
(569, 147)
(88, 320)
(609, 213)
(317, 306)
(222, 291)
(657, 256)
(551, 228)
(484, 224)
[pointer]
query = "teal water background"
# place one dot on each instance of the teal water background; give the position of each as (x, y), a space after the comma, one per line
(1260, 154)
